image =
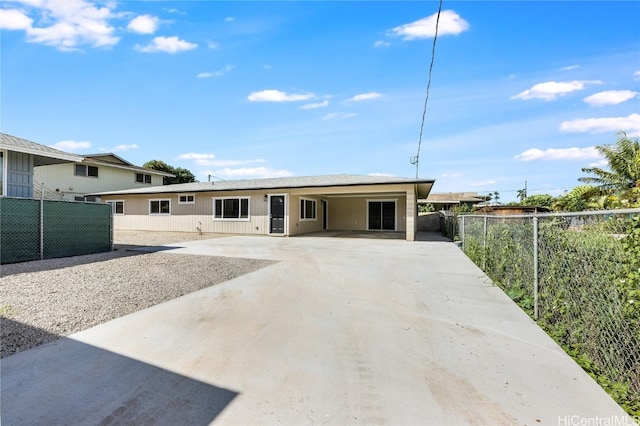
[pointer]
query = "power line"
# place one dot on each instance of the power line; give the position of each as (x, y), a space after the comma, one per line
(416, 160)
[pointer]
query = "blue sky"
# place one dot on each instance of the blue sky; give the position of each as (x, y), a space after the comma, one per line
(520, 91)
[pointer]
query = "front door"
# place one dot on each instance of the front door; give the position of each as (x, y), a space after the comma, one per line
(276, 216)
(382, 215)
(324, 214)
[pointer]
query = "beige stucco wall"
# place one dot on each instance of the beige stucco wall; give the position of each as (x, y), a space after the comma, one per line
(345, 212)
(350, 213)
(190, 217)
(61, 177)
(304, 226)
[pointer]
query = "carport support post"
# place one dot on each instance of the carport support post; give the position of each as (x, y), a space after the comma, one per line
(411, 215)
(535, 267)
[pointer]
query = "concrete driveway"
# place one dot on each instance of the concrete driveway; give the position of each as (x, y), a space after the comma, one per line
(339, 331)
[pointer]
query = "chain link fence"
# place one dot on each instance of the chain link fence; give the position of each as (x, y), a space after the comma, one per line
(42, 229)
(578, 276)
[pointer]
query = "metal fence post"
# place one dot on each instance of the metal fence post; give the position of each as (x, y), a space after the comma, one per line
(484, 245)
(41, 228)
(462, 236)
(535, 267)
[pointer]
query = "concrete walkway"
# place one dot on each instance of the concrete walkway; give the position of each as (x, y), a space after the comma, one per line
(339, 331)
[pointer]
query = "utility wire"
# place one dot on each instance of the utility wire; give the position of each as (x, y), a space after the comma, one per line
(416, 160)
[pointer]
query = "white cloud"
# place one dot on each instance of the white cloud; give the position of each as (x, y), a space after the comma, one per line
(72, 146)
(569, 68)
(251, 173)
(381, 174)
(365, 97)
(629, 124)
(636, 75)
(381, 43)
(602, 163)
(558, 154)
(278, 96)
(315, 105)
(610, 97)
(174, 10)
(550, 90)
(12, 19)
(144, 24)
(166, 44)
(451, 175)
(338, 115)
(210, 160)
(119, 148)
(66, 25)
(450, 23)
(483, 183)
(219, 73)
(199, 159)
(229, 19)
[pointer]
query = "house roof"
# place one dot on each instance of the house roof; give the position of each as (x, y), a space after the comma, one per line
(43, 155)
(423, 185)
(112, 160)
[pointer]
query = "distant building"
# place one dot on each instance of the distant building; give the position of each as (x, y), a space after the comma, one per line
(448, 200)
(505, 210)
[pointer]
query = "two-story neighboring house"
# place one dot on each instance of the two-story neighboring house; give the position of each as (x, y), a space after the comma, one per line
(18, 159)
(95, 173)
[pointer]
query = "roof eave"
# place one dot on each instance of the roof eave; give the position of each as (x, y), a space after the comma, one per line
(61, 156)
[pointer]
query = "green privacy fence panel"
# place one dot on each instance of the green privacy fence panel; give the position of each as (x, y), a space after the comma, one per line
(19, 229)
(72, 229)
(42, 229)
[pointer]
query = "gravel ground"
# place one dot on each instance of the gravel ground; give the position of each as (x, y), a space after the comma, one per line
(41, 301)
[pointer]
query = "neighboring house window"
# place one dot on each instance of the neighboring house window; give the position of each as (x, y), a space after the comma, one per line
(307, 209)
(143, 178)
(84, 170)
(89, 199)
(117, 206)
(159, 206)
(231, 208)
(186, 199)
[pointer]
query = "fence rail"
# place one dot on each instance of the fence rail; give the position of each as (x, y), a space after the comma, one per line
(574, 274)
(33, 229)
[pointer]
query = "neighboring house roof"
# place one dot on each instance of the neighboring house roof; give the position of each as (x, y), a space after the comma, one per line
(511, 209)
(423, 185)
(43, 155)
(455, 198)
(108, 157)
(112, 160)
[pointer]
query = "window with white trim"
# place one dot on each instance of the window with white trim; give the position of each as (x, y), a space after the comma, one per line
(85, 170)
(231, 208)
(117, 207)
(143, 178)
(159, 207)
(186, 199)
(307, 209)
